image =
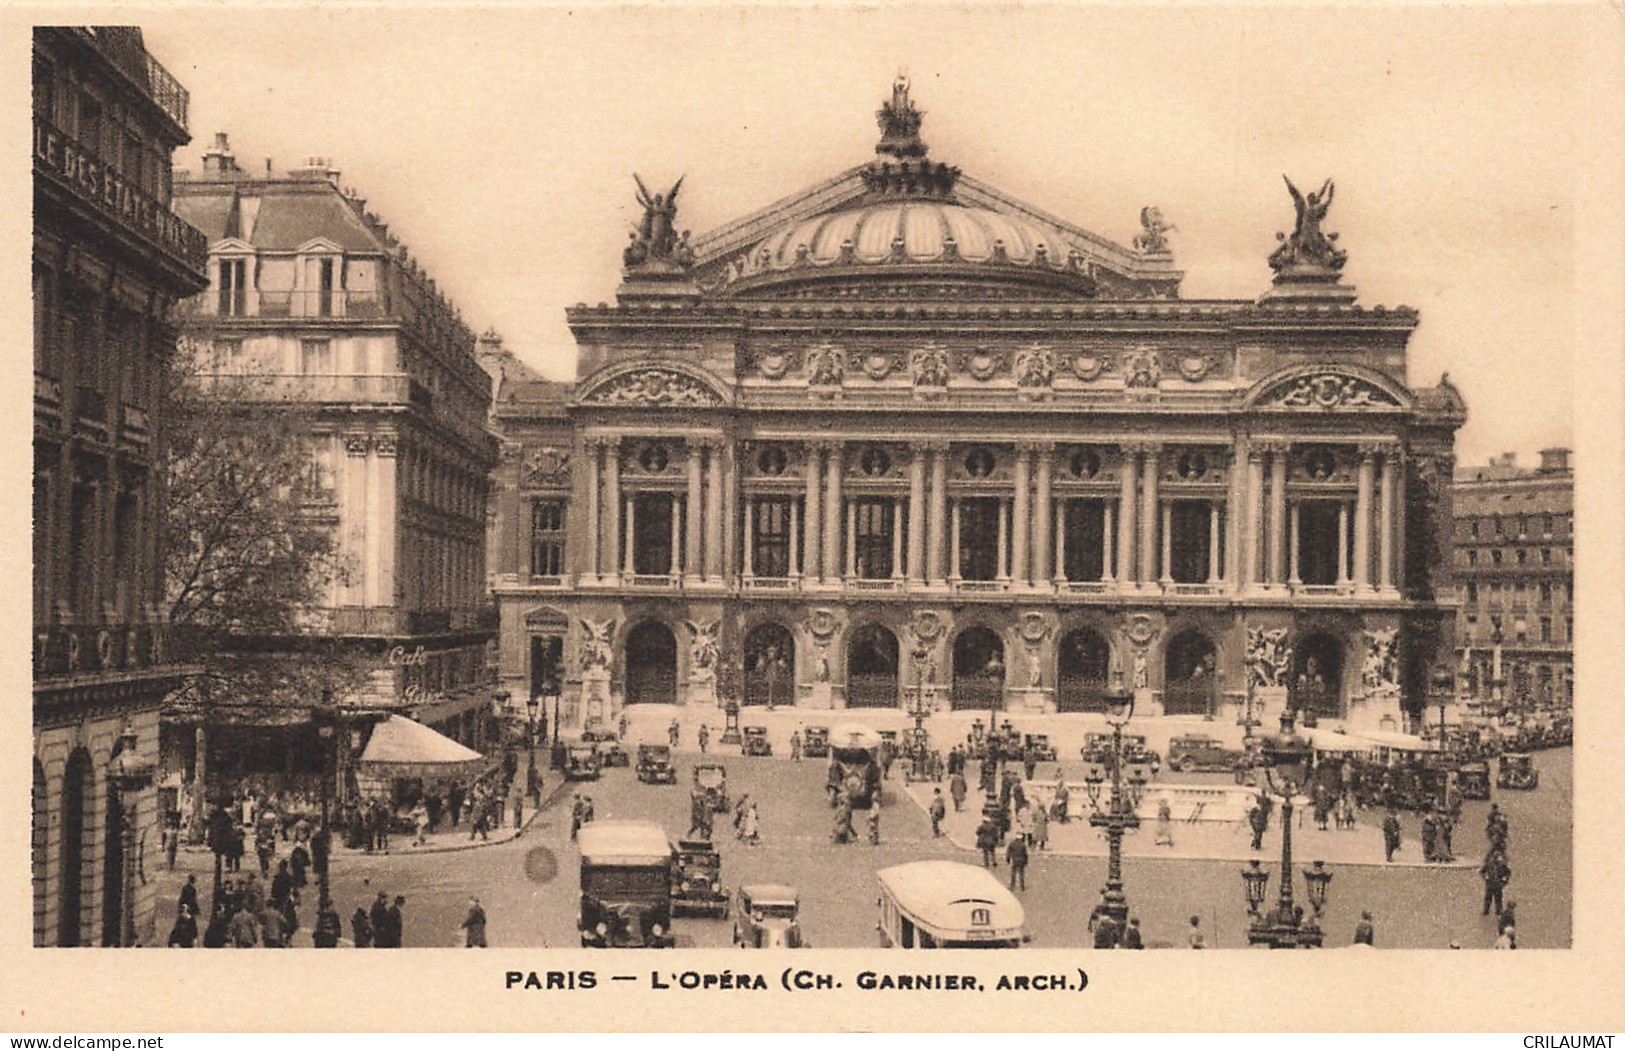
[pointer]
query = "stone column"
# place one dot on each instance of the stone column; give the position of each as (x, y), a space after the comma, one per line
(1249, 527)
(1362, 520)
(1041, 515)
(1149, 515)
(896, 539)
(794, 568)
(1060, 542)
(1167, 542)
(1277, 547)
(595, 451)
(200, 794)
(1342, 543)
(713, 512)
(1126, 567)
(1003, 570)
(953, 542)
(1214, 571)
(1108, 537)
(812, 550)
(916, 512)
(1295, 570)
(832, 512)
(676, 536)
(693, 565)
(939, 508)
(1385, 529)
(1022, 526)
(750, 537)
(612, 507)
(629, 562)
(851, 539)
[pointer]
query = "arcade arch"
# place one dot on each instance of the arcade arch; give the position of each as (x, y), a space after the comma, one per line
(1189, 681)
(872, 668)
(651, 664)
(978, 669)
(1083, 670)
(770, 665)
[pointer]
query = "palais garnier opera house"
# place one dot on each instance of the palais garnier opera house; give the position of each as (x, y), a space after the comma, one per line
(902, 436)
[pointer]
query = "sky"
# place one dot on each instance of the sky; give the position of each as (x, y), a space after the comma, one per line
(500, 144)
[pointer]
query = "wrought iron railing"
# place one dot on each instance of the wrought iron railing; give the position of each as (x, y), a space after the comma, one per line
(84, 649)
(324, 303)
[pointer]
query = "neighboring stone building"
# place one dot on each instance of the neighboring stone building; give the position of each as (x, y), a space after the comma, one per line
(110, 259)
(1515, 570)
(313, 305)
(902, 427)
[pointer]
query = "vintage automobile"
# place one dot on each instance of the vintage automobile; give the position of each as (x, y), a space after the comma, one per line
(626, 880)
(815, 742)
(696, 880)
(948, 905)
(1038, 746)
(1517, 771)
(756, 742)
(712, 779)
(1473, 779)
(767, 916)
(610, 751)
(854, 765)
(654, 765)
(1192, 752)
(581, 762)
(1097, 748)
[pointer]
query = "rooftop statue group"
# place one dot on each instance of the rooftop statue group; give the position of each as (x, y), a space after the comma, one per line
(1308, 246)
(655, 239)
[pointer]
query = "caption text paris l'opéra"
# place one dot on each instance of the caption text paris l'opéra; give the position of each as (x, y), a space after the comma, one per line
(794, 979)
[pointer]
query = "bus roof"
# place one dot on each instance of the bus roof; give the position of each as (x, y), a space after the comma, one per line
(939, 895)
(624, 843)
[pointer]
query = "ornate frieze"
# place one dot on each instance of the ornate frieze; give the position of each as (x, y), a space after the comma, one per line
(1328, 391)
(982, 363)
(928, 368)
(878, 364)
(1035, 366)
(775, 363)
(1090, 365)
(1142, 369)
(826, 365)
(653, 386)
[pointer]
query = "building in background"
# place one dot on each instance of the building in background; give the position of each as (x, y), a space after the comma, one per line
(314, 306)
(1515, 569)
(109, 260)
(901, 435)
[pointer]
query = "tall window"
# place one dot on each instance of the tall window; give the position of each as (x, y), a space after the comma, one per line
(1545, 629)
(324, 294)
(232, 288)
(547, 538)
(653, 553)
(1192, 522)
(770, 547)
(874, 547)
(1318, 523)
(979, 538)
(1084, 542)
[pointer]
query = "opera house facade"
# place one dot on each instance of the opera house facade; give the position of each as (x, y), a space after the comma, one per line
(901, 439)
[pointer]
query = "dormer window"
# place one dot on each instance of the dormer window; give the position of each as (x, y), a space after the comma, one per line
(231, 285)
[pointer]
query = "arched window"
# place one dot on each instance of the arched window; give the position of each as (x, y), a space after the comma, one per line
(978, 669)
(871, 668)
(1189, 674)
(1084, 668)
(1318, 675)
(651, 664)
(770, 665)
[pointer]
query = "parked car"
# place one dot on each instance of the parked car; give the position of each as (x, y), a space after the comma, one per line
(1039, 747)
(1517, 771)
(610, 751)
(712, 779)
(815, 742)
(1097, 748)
(581, 762)
(654, 765)
(768, 916)
(696, 880)
(1191, 752)
(1473, 780)
(756, 742)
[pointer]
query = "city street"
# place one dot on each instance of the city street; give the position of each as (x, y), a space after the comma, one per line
(529, 886)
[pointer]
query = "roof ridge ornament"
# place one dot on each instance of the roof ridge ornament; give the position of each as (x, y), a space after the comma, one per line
(1307, 263)
(899, 124)
(900, 167)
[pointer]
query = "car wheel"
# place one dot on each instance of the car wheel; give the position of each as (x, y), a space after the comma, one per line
(1182, 765)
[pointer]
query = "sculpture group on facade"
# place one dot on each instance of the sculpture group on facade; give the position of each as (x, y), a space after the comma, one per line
(1381, 668)
(1269, 656)
(655, 239)
(597, 646)
(1153, 236)
(1308, 245)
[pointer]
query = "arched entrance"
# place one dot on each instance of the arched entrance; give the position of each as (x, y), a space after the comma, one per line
(71, 878)
(651, 664)
(978, 669)
(113, 868)
(40, 854)
(1084, 667)
(1317, 675)
(770, 665)
(871, 668)
(1189, 682)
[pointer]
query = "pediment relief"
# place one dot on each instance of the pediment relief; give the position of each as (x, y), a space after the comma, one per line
(1327, 389)
(653, 386)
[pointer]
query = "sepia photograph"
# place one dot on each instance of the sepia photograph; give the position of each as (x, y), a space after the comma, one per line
(727, 477)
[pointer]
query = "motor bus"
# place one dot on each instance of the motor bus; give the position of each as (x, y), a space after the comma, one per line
(854, 765)
(626, 874)
(948, 905)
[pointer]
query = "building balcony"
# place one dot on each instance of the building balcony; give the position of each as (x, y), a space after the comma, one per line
(323, 304)
(771, 583)
(867, 585)
(100, 648)
(69, 165)
(341, 389)
(1084, 587)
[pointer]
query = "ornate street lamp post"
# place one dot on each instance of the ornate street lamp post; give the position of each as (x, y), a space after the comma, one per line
(129, 773)
(325, 720)
(1286, 762)
(1120, 814)
(727, 670)
(533, 705)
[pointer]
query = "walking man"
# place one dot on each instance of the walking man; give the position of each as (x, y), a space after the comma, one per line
(1365, 933)
(795, 746)
(958, 789)
(1495, 873)
(1390, 834)
(674, 733)
(1165, 823)
(474, 925)
(939, 810)
(705, 737)
(1259, 819)
(1016, 855)
(987, 841)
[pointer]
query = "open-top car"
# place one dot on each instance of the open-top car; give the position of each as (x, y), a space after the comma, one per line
(767, 916)
(654, 765)
(756, 742)
(712, 779)
(1192, 752)
(610, 751)
(1517, 771)
(696, 880)
(581, 762)
(815, 742)
(1039, 748)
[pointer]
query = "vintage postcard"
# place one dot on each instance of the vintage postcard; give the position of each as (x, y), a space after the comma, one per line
(822, 481)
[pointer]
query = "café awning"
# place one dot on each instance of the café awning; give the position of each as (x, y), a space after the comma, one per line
(1324, 740)
(400, 747)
